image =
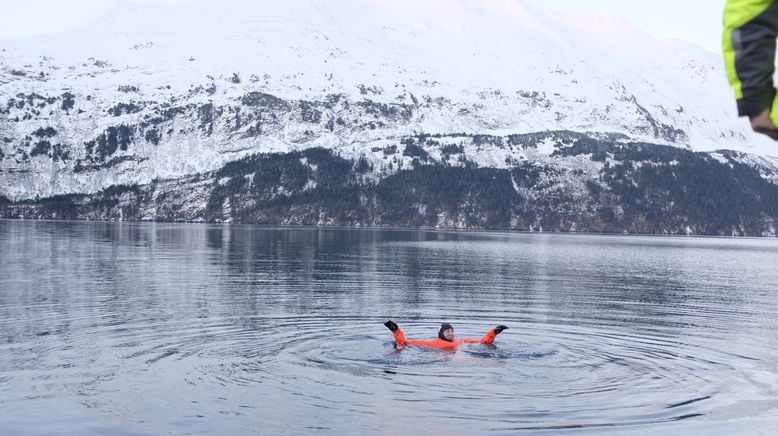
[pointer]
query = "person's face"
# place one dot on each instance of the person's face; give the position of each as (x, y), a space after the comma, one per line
(448, 334)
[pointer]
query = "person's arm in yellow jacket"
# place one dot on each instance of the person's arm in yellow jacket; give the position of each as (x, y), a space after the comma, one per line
(748, 45)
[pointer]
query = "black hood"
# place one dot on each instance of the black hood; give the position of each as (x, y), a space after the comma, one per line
(443, 327)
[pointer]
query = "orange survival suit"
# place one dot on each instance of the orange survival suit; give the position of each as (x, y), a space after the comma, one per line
(441, 341)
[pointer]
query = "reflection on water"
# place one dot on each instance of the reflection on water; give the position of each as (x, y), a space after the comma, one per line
(117, 328)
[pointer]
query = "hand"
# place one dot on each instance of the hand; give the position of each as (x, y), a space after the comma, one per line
(762, 124)
(391, 325)
(499, 329)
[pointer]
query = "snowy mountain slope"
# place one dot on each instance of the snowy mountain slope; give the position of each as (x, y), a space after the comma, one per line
(159, 92)
(585, 184)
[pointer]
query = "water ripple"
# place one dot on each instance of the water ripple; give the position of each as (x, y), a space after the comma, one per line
(186, 329)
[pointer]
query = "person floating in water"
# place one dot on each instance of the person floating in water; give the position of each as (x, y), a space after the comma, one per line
(445, 337)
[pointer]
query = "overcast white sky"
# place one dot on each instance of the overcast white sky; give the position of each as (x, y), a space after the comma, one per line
(697, 21)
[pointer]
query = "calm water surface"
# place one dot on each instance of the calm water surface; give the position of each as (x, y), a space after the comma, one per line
(117, 328)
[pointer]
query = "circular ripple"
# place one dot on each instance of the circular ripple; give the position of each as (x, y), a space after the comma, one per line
(248, 341)
(622, 379)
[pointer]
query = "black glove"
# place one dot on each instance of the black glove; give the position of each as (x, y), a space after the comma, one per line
(391, 325)
(499, 329)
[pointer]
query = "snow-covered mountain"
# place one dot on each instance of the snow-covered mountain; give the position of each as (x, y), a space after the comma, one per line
(161, 92)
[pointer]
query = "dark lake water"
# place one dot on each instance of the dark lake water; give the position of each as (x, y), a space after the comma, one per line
(123, 328)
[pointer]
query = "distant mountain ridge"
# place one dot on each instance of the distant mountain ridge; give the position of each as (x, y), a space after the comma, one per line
(155, 94)
(587, 185)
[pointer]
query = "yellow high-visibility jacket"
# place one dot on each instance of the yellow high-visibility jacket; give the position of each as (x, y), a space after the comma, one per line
(748, 44)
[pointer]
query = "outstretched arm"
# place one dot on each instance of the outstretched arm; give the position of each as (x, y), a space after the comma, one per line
(492, 334)
(399, 336)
